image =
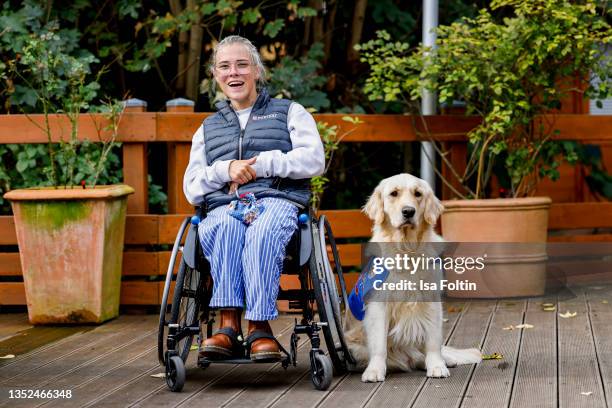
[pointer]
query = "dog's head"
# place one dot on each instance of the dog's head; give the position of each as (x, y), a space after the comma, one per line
(403, 201)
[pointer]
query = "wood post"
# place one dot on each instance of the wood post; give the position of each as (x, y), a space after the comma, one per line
(135, 166)
(178, 158)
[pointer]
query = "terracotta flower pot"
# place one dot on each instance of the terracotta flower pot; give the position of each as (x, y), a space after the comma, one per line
(512, 233)
(71, 248)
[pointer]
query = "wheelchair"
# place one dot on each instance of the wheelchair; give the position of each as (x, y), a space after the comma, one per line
(183, 318)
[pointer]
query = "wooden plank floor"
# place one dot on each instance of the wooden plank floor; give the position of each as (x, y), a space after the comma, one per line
(559, 362)
(12, 323)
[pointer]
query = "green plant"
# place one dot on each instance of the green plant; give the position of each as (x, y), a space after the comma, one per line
(24, 165)
(509, 71)
(299, 79)
(61, 84)
(331, 142)
(196, 26)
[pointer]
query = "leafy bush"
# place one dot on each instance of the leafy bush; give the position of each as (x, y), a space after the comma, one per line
(508, 71)
(299, 79)
(53, 76)
(25, 165)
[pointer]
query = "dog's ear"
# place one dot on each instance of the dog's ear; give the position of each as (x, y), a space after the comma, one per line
(433, 207)
(374, 207)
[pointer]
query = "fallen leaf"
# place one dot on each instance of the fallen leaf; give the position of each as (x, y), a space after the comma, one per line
(549, 308)
(586, 393)
(508, 328)
(494, 356)
(159, 375)
(524, 326)
(567, 314)
(605, 302)
(194, 347)
(548, 304)
(7, 357)
(453, 309)
(445, 320)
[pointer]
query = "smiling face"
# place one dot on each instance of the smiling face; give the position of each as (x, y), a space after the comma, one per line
(236, 74)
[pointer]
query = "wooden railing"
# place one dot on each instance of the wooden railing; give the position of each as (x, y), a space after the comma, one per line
(144, 264)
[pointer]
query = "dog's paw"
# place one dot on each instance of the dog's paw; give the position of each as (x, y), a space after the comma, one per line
(436, 367)
(374, 372)
(438, 371)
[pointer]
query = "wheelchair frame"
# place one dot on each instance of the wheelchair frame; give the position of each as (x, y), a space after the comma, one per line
(307, 254)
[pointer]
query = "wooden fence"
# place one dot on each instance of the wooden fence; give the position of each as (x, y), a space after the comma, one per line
(145, 258)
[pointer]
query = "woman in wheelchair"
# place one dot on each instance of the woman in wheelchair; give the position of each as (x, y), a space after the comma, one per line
(249, 167)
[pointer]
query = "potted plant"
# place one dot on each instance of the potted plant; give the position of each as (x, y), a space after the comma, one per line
(70, 231)
(509, 69)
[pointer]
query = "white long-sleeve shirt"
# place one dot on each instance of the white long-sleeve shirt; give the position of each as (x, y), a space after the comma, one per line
(305, 160)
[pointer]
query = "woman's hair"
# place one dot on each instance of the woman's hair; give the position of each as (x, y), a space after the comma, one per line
(254, 54)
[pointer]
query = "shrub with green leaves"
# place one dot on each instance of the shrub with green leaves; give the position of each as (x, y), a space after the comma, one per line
(26, 165)
(508, 71)
(300, 79)
(61, 82)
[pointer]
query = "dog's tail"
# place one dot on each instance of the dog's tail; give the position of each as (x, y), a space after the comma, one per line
(454, 357)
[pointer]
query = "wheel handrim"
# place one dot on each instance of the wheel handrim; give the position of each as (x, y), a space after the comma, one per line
(187, 314)
(337, 295)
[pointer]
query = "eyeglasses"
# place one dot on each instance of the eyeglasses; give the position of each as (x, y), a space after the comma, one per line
(242, 67)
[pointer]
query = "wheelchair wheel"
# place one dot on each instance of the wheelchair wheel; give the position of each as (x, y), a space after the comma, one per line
(331, 296)
(185, 308)
(175, 374)
(321, 371)
(176, 330)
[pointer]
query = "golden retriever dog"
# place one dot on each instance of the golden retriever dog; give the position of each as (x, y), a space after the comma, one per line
(403, 335)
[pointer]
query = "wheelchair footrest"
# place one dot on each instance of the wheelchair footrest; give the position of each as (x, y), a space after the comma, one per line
(206, 362)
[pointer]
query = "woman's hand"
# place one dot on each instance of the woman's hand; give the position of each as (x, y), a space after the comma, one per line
(241, 171)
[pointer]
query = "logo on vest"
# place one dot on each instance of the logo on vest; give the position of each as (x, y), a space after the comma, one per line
(263, 117)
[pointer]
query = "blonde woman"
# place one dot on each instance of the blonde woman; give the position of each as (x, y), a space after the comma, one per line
(269, 148)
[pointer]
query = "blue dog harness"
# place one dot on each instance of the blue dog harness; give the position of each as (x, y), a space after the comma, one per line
(365, 283)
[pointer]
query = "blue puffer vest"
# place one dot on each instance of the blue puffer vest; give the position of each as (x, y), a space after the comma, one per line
(265, 130)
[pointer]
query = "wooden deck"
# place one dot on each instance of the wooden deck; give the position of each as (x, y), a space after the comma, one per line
(560, 362)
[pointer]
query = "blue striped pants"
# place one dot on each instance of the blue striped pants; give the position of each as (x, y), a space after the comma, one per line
(246, 261)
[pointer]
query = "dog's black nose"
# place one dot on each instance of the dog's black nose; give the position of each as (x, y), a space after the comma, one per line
(408, 212)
